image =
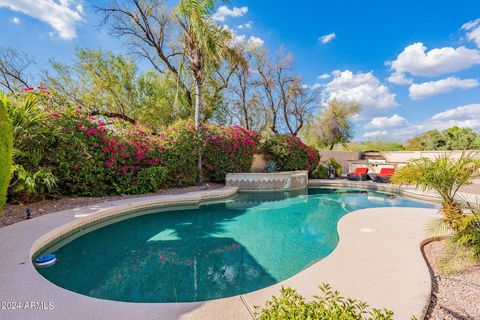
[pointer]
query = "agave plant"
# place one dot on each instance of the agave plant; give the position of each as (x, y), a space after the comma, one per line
(271, 166)
(445, 175)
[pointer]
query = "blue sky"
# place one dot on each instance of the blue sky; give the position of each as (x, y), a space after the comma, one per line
(413, 65)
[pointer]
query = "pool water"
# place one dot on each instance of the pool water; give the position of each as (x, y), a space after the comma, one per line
(218, 250)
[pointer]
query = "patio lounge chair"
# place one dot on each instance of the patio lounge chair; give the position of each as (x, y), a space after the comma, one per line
(384, 175)
(360, 174)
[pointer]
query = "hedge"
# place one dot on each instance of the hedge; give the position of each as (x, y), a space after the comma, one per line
(6, 151)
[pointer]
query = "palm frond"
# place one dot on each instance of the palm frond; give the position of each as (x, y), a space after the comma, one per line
(438, 228)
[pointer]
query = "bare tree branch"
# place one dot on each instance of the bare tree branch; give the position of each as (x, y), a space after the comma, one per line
(14, 69)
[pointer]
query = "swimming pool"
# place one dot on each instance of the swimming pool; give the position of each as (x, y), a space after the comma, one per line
(218, 250)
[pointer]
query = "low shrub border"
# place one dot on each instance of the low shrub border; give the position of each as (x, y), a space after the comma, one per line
(329, 305)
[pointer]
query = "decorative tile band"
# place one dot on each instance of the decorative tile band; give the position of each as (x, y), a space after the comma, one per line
(290, 180)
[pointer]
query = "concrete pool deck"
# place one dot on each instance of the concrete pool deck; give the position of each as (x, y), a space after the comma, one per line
(378, 260)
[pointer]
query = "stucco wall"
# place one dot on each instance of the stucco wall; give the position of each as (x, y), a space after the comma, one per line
(259, 163)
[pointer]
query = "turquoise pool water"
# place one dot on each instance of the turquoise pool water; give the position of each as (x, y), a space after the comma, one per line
(218, 250)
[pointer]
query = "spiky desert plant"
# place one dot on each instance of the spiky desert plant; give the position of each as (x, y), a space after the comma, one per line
(445, 175)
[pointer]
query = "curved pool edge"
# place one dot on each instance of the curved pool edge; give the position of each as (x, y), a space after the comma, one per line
(21, 282)
(126, 210)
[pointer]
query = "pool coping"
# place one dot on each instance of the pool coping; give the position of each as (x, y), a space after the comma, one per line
(21, 282)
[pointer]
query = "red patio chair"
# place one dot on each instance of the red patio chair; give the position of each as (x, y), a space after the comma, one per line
(384, 175)
(360, 174)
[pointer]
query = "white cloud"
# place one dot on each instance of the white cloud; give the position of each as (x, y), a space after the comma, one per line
(324, 76)
(375, 134)
(327, 37)
(241, 39)
(247, 25)
(223, 12)
(394, 121)
(473, 28)
(15, 20)
(62, 16)
(255, 41)
(399, 78)
(416, 60)
(431, 88)
(362, 88)
(469, 111)
(467, 116)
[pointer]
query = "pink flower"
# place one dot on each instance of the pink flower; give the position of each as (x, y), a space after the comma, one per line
(108, 163)
(140, 154)
(91, 131)
(56, 115)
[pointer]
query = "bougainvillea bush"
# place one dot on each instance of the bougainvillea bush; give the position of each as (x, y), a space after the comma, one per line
(228, 149)
(177, 149)
(93, 158)
(290, 153)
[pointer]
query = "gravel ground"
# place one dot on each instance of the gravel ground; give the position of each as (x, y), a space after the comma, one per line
(16, 213)
(453, 296)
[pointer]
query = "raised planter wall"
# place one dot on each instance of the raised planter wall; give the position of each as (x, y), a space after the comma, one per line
(277, 181)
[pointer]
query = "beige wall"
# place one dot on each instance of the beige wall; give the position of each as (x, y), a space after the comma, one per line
(259, 163)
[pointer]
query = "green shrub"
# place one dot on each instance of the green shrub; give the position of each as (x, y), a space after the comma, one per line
(321, 172)
(6, 149)
(150, 179)
(290, 153)
(329, 305)
(336, 166)
(228, 150)
(32, 136)
(30, 185)
(462, 249)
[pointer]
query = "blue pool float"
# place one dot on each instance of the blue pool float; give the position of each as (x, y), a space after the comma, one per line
(46, 260)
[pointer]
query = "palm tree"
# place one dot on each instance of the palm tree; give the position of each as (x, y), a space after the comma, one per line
(446, 176)
(206, 46)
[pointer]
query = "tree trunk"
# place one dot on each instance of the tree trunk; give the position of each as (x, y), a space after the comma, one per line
(332, 145)
(198, 112)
